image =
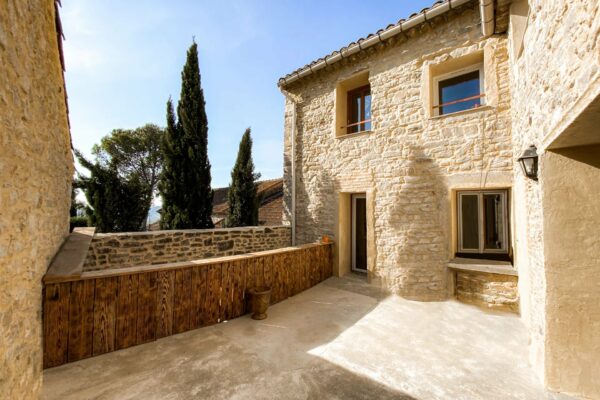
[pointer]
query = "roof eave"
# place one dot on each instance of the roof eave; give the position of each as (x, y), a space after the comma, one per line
(414, 20)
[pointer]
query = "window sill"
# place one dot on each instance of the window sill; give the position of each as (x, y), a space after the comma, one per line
(486, 266)
(351, 135)
(458, 113)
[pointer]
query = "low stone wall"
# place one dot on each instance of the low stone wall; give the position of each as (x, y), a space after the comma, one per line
(119, 250)
(488, 290)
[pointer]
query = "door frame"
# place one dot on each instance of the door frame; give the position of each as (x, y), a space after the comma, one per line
(353, 198)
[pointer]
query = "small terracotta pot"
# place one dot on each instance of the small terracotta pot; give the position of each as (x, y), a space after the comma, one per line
(259, 301)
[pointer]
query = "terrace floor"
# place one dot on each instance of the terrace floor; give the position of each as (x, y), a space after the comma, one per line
(341, 339)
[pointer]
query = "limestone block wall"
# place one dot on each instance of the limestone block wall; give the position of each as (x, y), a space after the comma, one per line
(493, 291)
(410, 164)
(119, 250)
(555, 72)
(36, 167)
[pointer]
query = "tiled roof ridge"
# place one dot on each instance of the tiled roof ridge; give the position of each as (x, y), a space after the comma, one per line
(273, 180)
(438, 8)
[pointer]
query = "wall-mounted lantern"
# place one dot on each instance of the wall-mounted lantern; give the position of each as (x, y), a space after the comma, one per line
(529, 162)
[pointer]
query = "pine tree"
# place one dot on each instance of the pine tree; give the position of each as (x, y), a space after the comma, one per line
(116, 204)
(185, 183)
(242, 195)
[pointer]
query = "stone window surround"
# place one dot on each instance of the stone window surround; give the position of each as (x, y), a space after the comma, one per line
(480, 193)
(356, 80)
(459, 61)
(448, 75)
(453, 246)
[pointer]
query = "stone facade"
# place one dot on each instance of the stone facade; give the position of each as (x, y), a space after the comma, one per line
(36, 167)
(555, 87)
(410, 163)
(119, 250)
(542, 84)
(492, 291)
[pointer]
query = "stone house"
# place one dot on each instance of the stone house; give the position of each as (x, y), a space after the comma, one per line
(36, 168)
(406, 147)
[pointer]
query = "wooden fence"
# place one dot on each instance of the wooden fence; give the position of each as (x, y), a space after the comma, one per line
(102, 311)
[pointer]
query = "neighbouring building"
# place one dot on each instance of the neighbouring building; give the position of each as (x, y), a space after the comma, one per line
(36, 168)
(409, 148)
(270, 211)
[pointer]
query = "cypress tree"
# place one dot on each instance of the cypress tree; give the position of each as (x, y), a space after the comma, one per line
(185, 183)
(242, 196)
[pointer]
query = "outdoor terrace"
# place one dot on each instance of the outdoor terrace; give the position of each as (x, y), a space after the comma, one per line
(340, 339)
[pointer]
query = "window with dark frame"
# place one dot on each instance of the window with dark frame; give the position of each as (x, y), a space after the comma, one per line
(483, 224)
(359, 110)
(459, 93)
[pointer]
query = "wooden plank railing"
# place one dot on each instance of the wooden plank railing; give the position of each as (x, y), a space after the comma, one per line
(102, 311)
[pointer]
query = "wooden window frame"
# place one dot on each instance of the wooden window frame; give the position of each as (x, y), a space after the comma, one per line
(352, 121)
(481, 221)
(463, 71)
(353, 198)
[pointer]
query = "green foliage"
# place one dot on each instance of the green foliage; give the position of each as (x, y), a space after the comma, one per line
(116, 204)
(134, 154)
(78, 222)
(75, 205)
(242, 195)
(185, 182)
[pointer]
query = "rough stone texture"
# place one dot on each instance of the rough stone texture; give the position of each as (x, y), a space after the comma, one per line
(553, 79)
(410, 163)
(119, 250)
(35, 176)
(341, 339)
(493, 291)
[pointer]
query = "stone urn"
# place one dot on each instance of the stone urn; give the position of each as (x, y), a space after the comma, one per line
(259, 301)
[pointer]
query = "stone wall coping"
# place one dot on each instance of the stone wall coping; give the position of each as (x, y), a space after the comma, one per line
(70, 258)
(486, 266)
(56, 278)
(152, 233)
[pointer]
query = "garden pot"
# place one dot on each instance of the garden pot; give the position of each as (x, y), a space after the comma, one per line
(259, 301)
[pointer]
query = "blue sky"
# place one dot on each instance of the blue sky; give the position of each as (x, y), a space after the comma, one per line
(124, 60)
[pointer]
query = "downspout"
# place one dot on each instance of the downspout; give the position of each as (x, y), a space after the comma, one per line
(293, 173)
(486, 9)
(293, 167)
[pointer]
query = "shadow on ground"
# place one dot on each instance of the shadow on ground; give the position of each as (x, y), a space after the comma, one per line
(341, 339)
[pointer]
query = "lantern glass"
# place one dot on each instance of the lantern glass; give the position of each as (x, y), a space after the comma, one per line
(528, 166)
(529, 162)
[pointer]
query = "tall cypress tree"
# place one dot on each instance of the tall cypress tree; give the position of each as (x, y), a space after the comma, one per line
(185, 183)
(242, 196)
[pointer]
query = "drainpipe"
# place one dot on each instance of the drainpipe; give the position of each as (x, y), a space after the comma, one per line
(486, 9)
(293, 166)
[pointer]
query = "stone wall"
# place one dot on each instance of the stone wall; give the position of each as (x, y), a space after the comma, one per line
(555, 76)
(492, 291)
(410, 163)
(119, 250)
(35, 176)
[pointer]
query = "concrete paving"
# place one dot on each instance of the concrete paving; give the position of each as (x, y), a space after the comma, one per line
(342, 339)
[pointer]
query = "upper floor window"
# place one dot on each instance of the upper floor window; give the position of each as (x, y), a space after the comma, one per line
(359, 110)
(483, 222)
(459, 91)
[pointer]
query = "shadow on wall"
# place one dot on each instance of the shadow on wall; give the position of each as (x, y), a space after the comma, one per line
(416, 267)
(589, 155)
(316, 199)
